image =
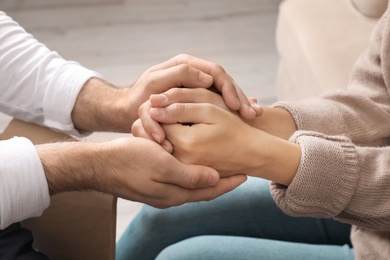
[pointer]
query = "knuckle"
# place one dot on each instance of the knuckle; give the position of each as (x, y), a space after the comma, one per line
(151, 80)
(183, 69)
(178, 108)
(216, 68)
(182, 58)
(174, 93)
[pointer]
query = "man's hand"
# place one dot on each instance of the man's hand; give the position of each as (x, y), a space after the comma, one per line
(131, 168)
(100, 106)
(232, 95)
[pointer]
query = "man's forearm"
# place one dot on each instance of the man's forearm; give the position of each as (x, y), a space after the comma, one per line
(68, 165)
(101, 106)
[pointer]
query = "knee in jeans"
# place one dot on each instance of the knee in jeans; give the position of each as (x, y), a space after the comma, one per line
(153, 217)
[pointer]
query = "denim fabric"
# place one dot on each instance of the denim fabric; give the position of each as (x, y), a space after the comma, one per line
(243, 224)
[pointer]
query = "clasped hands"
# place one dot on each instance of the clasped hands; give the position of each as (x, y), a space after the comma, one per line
(198, 146)
(197, 127)
(176, 163)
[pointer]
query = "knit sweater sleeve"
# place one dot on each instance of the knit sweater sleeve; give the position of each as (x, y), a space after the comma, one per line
(344, 139)
(338, 179)
(362, 110)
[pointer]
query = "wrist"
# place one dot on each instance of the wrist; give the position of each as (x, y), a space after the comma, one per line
(68, 165)
(273, 158)
(275, 121)
(101, 106)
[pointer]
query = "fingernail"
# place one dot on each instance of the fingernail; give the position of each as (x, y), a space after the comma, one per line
(157, 112)
(156, 137)
(213, 179)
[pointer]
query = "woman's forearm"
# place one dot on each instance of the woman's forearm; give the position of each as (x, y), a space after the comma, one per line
(275, 121)
(271, 157)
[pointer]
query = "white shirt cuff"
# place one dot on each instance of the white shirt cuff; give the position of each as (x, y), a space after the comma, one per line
(24, 192)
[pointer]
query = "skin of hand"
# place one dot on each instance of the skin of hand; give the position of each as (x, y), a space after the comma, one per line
(233, 96)
(131, 168)
(275, 121)
(103, 107)
(154, 178)
(221, 139)
(177, 95)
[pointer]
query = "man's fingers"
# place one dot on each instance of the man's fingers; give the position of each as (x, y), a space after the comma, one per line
(177, 195)
(149, 125)
(185, 95)
(181, 75)
(222, 81)
(224, 185)
(186, 113)
(190, 176)
(234, 97)
(138, 130)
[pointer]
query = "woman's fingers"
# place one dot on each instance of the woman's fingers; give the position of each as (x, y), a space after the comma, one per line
(138, 131)
(183, 95)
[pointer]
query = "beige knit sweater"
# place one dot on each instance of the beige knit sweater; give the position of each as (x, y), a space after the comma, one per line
(344, 171)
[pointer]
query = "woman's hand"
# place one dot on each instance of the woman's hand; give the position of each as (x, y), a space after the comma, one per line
(231, 94)
(207, 134)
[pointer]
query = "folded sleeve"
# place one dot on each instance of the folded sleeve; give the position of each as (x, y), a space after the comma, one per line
(337, 179)
(24, 192)
(37, 85)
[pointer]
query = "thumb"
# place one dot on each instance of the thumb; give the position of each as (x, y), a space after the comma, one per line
(193, 176)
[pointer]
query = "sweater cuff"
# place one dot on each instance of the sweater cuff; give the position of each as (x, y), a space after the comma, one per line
(326, 177)
(24, 191)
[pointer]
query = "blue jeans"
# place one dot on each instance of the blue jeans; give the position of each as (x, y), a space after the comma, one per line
(243, 224)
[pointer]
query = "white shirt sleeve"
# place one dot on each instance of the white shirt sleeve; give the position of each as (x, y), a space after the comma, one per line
(36, 85)
(23, 187)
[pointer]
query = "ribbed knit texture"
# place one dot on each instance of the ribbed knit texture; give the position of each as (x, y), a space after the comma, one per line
(344, 171)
